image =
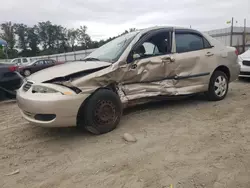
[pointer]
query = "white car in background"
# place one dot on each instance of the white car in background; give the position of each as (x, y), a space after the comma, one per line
(244, 61)
(18, 61)
(21, 61)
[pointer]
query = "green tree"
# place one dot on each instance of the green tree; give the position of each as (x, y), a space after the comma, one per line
(53, 37)
(83, 38)
(72, 36)
(61, 38)
(8, 34)
(21, 31)
(33, 40)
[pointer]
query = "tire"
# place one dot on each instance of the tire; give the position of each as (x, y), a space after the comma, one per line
(27, 72)
(101, 113)
(218, 86)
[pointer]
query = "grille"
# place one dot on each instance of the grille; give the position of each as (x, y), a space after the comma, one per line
(247, 63)
(245, 73)
(27, 86)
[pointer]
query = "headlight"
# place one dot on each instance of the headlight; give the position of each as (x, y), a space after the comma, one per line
(240, 59)
(43, 89)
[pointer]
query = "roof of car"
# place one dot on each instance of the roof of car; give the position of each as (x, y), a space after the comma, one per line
(145, 30)
(164, 27)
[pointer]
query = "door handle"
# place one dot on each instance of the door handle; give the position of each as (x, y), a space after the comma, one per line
(209, 54)
(133, 66)
(168, 58)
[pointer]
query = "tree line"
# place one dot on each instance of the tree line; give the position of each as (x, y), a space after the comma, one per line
(46, 38)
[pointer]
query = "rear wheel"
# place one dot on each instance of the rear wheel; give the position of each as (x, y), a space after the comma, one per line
(218, 86)
(101, 113)
(26, 72)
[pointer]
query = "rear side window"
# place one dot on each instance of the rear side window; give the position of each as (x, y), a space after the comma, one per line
(206, 43)
(187, 42)
(25, 60)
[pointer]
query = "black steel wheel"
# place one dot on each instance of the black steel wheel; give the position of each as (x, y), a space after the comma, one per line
(101, 113)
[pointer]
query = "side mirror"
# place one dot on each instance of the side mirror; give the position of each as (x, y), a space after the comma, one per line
(136, 56)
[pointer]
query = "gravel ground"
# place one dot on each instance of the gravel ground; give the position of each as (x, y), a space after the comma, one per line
(189, 143)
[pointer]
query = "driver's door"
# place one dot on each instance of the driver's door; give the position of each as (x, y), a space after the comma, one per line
(150, 64)
(38, 66)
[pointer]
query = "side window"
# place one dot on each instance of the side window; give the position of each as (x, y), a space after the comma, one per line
(15, 61)
(50, 62)
(158, 44)
(39, 62)
(150, 48)
(25, 60)
(187, 42)
(19, 61)
(206, 43)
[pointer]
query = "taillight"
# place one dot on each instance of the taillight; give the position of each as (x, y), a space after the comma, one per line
(13, 68)
(236, 52)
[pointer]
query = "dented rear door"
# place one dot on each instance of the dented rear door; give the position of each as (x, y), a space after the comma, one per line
(194, 60)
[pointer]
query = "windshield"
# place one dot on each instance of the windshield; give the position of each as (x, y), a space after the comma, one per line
(112, 50)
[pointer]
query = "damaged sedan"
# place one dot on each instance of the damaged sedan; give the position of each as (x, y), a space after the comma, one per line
(137, 67)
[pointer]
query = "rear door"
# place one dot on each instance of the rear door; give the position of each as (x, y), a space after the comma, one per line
(49, 63)
(194, 58)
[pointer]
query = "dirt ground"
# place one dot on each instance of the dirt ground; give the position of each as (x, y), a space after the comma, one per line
(189, 143)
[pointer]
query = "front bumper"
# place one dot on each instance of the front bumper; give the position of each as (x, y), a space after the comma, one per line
(244, 70)
(62, 109)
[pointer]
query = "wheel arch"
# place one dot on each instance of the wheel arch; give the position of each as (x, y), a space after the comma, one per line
(224, 69)
(112, 87)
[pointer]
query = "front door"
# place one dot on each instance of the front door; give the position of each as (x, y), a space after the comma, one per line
(148, 64)
(39, 65)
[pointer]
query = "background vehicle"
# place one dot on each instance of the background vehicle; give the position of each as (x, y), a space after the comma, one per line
(35, 66)
(244, 61)
(18, 61)
(134, 68)
(10, 80)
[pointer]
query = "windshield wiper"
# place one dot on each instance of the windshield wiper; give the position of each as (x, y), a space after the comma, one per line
(91, 59)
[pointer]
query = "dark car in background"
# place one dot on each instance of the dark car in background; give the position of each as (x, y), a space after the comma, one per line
(36, 65)
(10, 80)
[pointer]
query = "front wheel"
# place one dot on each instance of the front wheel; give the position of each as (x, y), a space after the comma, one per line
(218, 86)
(101, 113)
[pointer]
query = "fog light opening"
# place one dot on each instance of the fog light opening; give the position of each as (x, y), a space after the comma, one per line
(45, 117)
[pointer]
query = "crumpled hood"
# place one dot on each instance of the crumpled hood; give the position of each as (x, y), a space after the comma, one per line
(65, 70)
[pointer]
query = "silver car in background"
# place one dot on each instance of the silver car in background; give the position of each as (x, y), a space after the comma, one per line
(244, 61)
(135, 68)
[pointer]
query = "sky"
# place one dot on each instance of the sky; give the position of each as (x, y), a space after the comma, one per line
(107, 18)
